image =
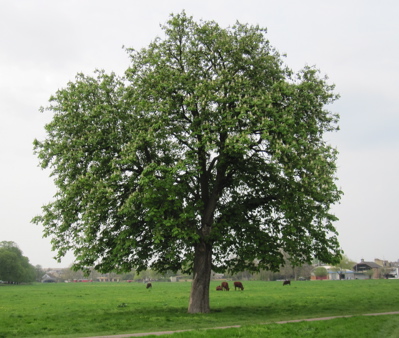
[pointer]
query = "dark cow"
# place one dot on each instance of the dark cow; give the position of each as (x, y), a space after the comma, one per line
(219, 288)
(149, 285)
(287, 282)
(238, 285)
(225, 286)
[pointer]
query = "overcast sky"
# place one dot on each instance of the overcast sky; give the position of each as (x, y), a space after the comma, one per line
(43, 44)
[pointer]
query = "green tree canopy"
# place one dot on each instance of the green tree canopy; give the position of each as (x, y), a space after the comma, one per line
(207, 155)
(320, 271)
(345, 263)
(14, 267)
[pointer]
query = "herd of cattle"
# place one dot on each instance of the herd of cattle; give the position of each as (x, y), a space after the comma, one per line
(225, 286)
(238, 285)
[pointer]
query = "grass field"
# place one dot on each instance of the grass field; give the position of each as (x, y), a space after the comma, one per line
(94, 309)
(362, 327)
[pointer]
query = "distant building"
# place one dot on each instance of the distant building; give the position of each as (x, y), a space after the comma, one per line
(392, 273)
(48, 279)
(335, 273)
(217, 275)
(365, 270)
(108, 279)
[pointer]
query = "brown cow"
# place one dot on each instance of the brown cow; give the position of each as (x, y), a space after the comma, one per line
(238, 285)
(219, 288)
(149, 285)
(225, 286)
(287, 282)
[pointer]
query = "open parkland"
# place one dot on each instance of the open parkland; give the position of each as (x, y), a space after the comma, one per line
(96, 309)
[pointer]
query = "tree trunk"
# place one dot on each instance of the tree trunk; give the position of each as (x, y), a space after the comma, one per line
(199, 297)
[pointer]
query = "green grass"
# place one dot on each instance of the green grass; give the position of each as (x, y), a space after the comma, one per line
(364, 327)
(89, 309)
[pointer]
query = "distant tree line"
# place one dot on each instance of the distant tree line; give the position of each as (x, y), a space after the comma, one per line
(288, 271)
(70, 274)
(14, 267)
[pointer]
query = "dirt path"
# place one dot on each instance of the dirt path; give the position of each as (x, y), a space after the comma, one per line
(228, 327)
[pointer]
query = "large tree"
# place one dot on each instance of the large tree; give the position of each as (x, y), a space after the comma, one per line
(14, 267)
(207, 155)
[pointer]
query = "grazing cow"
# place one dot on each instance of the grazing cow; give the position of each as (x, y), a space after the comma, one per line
(149, 285)
(287, 282)
(225, 286)
(238, 285)
(219, 288)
